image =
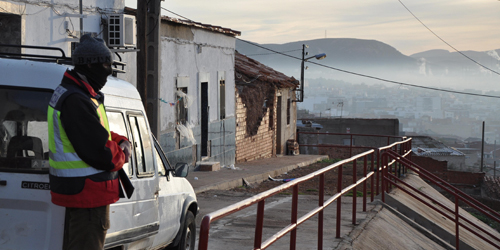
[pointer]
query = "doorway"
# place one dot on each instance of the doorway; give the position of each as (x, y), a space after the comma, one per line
(278, 127)
(204, 120)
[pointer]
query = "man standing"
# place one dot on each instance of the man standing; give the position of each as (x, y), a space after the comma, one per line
(85, 156)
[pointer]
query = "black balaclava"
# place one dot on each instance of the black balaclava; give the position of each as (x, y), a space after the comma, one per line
(96, 74)
(89, 58)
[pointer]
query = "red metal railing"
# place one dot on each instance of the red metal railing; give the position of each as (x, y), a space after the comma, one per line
(404, 148)
(350, 146)
(259, 199)
(390, 157)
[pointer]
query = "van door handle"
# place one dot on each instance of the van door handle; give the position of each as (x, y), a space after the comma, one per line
(3, 182)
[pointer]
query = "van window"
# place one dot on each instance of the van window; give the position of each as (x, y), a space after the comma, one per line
(23, 128)
(117, 125)
(143, 147)
(159, 162)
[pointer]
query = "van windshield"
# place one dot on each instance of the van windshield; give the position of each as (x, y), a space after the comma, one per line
(23, 129)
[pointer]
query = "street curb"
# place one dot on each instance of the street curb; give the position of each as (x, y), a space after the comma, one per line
(255, 178)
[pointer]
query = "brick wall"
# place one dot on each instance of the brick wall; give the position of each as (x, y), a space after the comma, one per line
(440, 169)
(254, 147)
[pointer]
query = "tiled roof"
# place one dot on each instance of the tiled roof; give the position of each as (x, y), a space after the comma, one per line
(435, 151)
(204, 26)
(227, 31)
(249, 70)
(427, 146)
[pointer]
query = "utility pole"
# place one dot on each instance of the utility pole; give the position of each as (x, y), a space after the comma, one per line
(81, 18)
(482, 150)
(304, 53)
(341, 103)
(302, 74)
(148, 61)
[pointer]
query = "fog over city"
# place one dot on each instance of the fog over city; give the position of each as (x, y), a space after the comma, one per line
(334, 93)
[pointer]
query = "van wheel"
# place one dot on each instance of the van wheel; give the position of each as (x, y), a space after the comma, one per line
(188, 237)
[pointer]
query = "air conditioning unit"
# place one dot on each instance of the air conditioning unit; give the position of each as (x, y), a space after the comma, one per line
(121, 30)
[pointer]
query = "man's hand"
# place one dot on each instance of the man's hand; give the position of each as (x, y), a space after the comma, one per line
(126, 147)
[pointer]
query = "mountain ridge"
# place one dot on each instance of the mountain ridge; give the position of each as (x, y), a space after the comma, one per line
(437, 67)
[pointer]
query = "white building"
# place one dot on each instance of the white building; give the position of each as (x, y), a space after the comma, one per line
(196, 59)
(57, 24)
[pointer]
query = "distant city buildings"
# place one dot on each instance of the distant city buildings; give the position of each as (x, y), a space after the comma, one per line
(421, 111)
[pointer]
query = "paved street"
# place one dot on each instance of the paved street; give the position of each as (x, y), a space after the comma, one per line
(237, 230)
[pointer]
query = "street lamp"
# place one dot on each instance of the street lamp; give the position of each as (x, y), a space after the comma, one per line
(318, 57)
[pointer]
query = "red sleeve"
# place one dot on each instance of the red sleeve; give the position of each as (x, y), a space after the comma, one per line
(118, 156)
(118, 138)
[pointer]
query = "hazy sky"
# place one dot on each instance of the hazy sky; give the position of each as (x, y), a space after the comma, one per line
(465, 24)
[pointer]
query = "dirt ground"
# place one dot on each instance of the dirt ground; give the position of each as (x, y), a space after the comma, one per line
(311, 187)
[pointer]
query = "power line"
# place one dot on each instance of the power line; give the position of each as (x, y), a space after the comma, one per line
(176, 14)
(373, 77)
(445, 41)
(273, 53)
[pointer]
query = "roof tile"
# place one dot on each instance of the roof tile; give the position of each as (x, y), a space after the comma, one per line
(249, 70)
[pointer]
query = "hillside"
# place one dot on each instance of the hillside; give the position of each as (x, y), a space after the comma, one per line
(346, 52)
(436, 68)
(443, 62)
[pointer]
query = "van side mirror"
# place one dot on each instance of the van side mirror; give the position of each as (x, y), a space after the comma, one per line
(181, 169)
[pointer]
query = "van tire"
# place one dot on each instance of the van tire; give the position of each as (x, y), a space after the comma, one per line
(188, 237)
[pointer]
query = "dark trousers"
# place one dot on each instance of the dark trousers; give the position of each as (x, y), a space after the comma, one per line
(85, 228)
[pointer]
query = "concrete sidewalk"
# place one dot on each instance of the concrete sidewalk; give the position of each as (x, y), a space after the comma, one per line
(252, 171)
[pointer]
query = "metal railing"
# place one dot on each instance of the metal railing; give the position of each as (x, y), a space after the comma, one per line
(351, 137)
(403, 146)
(389, 178)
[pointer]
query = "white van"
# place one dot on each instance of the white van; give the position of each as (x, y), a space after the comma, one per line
(162, 208)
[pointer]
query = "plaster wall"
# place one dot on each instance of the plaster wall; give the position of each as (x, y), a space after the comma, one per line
(45, 24)
(202, 57)
(191, 56)
(288, 131)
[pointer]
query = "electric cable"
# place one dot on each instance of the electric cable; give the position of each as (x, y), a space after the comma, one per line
(373, 77)
(176, 14)
(476, 62)
(48, 4)
(273, 53)
(153, 29)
